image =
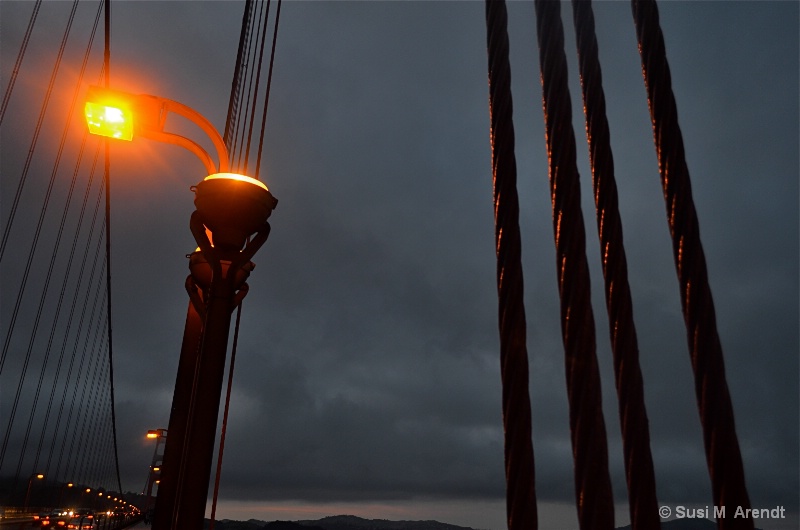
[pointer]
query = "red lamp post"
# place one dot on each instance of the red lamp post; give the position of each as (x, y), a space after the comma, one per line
(229, 226)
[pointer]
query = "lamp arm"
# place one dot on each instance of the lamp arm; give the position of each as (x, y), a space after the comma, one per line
(175, 139)
(200, 120)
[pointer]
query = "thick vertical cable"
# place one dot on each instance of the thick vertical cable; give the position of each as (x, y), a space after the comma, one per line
(716, 412)
(589, 446)
(107, 175)
(642, 505)
(520, 489)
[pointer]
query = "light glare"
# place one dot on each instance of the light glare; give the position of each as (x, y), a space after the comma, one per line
(108, 120)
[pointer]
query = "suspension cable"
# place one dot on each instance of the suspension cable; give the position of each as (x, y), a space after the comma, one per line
(269, 86)
(74, 298)
(56, 246)
(723, 456)
(587, 427)
(18, 62)
(233, 102)
(258, 81)
(249, 82)
(34, 141)
(642, 505)
(521, 511)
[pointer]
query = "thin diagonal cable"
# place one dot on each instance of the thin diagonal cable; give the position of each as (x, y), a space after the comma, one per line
(33, 335)
(74, 298)
(723, 457)
(588, 434)
(32, 148)
(53, 256)
(236, 82)
(269, 86)
(76, 344)
(224, 430)
(255, 90)
(90, 380)
(521, 511)
(20, 56)
(642, 505)
(249, 74)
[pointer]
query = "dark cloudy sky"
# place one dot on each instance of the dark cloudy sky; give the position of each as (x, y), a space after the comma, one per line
(367, 376)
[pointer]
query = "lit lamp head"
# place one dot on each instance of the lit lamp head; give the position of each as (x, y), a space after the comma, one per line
(109, 113)
(233, 207)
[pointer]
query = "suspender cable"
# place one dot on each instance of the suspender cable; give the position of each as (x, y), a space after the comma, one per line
(258, 81)
(56, 246)
(642, 505)
(269, 86)
(239, 142)
(236, 82)
(32, 148)
(520, 488)
(225, 418)
(716, 412)
(592, 482)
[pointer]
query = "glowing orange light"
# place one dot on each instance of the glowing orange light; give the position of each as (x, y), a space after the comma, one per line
(113, 120)
(156, 468)
(236, 176)
(39, 476)
(88, 490)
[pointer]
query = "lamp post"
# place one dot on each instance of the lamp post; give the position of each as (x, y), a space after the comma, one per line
(229, 226)
(38, 476)
(155, 465)
(61, 492)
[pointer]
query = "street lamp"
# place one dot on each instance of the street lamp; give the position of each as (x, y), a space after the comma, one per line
(121, 115)
(61, 492)
(229, 226)
(157, 435)
(38, 476)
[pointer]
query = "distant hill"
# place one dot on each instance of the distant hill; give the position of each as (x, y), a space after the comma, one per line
(351, 522)
(336, 522)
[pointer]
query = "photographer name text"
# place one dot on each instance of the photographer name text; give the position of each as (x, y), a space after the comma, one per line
(720, 512)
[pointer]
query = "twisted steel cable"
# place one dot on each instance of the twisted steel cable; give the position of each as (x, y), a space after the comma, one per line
(643, 506)
(588, 433)
(520, 490)
(716, 412)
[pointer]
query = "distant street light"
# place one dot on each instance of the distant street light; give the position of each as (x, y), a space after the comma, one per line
(229, 226)
(38, 476)
(154, 469)
(61, 491)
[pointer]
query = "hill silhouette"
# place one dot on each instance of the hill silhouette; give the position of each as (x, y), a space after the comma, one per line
(351, 522)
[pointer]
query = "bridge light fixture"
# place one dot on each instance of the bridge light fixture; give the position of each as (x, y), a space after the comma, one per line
(122, 115)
